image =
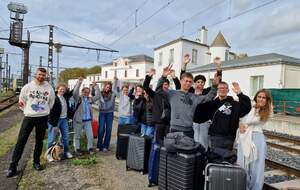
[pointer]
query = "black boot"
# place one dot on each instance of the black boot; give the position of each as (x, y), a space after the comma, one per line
(37, 166)
(12, 171)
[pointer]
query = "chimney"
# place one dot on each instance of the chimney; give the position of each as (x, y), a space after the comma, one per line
(203, 35)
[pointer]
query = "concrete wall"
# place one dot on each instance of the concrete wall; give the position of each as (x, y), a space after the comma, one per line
(292, 76)
(218, 51)
(272, 76)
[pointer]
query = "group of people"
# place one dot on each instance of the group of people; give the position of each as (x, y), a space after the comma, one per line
(217, 121)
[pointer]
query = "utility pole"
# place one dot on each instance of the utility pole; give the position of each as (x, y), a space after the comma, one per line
(6, 72)
(41, 61)
(58, 48)
(50, 54)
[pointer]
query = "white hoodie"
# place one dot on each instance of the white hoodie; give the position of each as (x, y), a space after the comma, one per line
(38, 99)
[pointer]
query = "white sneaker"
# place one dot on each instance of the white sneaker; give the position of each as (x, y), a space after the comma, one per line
(69, 155)
(49, 158)
(105, 150)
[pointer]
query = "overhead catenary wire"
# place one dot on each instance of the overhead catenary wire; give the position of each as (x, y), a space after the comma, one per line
(143, 22)
(124, 21)
(236, 15)
(81, 37)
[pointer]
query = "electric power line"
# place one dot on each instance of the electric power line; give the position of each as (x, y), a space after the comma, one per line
(93, 42)
(117, 27)
(144, 21)
(237, 15)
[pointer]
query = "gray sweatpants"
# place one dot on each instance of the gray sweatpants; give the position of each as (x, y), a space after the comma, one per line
(87, 126)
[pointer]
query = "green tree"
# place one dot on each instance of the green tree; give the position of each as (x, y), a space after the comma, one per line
(73, 73)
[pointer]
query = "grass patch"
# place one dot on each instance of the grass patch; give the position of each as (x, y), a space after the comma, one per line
(84, 161)
(8, 138)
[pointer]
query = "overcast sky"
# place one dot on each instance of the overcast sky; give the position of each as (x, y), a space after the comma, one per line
(272, 28)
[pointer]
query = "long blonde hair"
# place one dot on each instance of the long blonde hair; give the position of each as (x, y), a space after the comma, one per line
(265, 111)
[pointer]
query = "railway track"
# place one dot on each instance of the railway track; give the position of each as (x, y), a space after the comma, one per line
(8, 102)
(285, 173)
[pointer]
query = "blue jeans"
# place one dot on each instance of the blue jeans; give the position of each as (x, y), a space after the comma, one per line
(105, 127)
(64, 130)
(147, 130)
(123, 120)
(255, 170)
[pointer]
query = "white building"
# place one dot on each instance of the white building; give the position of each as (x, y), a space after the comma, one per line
(256, 72)
(200, 52)
(130, 69)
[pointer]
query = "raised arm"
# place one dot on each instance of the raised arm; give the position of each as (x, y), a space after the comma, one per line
(147, 81)
(76, 94)
(116, 86)
(244, 101)
(97, 92)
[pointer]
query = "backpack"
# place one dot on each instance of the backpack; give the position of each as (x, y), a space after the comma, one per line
(74, 107)
(56, 151)
(177, 142)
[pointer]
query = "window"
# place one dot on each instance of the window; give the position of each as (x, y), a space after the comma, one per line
(105, 74)
(137, 73)
(160, 58)
(125, 73)
(194, 56)
(257, 83)
(115, 73)
(171, 58)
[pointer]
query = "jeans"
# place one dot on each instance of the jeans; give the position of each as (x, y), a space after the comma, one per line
(40, 124)
(147, 130)
(105, 127)
(64, 131)
(255, 170)
(123, 120)
(87, 125)
(201, 133)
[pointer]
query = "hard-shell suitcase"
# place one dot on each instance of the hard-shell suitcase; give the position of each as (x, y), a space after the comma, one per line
(138, 153)
(95, 127)
(128, 129)
(225, 177)
(122, 145)
(179, 171)
(153, 164)
(122, 139)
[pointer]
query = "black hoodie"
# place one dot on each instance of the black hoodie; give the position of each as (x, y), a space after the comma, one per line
(226, 114)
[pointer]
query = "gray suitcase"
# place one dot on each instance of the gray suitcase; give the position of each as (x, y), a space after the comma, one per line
(225, 177)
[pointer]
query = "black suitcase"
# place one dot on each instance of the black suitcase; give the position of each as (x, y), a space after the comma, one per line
(122, 145)
(128, 129)
(225, 177)
(181, 171)
(138, 153)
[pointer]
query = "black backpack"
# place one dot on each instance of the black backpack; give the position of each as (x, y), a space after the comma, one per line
(74, 107)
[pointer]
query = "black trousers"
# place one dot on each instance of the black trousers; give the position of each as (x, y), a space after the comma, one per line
(160, 132)
(40, 124)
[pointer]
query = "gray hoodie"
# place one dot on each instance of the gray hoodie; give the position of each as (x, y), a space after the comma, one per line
(183, 106)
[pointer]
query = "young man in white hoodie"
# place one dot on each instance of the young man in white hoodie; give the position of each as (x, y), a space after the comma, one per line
(36, 99)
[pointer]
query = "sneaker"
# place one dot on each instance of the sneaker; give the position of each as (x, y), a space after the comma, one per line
(105, 150)
(78, 153)
(11, 172)
(49, 158)
(69, 155)
(37, 166)
(91, 151)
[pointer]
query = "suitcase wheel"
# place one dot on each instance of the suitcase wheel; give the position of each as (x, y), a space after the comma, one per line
(127, 168)
(118, 158)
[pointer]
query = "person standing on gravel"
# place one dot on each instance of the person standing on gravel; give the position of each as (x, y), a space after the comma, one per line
(84, 115)
(252, 147)
(58, 120)
(36, 100)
